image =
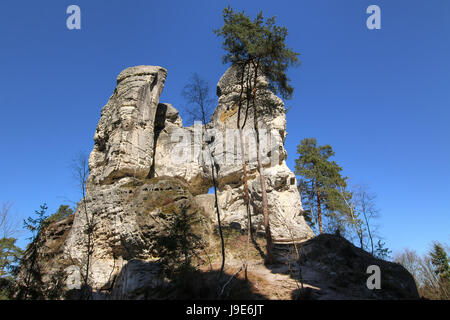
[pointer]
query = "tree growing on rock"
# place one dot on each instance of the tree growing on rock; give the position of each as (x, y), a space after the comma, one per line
(196, 93)
(361, 210)
(32, 282)
(80, 172)
(257, 47)
(177, 242)
(381, 251)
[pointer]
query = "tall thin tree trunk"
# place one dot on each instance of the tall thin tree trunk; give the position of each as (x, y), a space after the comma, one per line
(246, 200)
(269, 256)
(213, 175)
(368, 229)
(319, 208)
(241, 140)
(89, 243)
(244, 168)
(357, 226)
(216, 202)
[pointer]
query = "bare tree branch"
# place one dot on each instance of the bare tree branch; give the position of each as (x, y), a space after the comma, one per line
(8, 226)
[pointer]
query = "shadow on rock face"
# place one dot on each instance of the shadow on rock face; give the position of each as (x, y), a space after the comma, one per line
(142, 280)
(138, 280)
(339, 270)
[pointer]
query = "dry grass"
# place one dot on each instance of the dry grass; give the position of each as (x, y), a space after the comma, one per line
(262, 282)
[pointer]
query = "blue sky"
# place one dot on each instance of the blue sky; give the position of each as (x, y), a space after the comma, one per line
(381, 98)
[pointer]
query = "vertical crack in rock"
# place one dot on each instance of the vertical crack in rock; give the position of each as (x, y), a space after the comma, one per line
(123, 142)
(160, 120)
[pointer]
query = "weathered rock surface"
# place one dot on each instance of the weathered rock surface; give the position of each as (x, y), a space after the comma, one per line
(124, 139)
(286, 221)
(169, 131)
(126, 217)
(138, 280)
(185, 152)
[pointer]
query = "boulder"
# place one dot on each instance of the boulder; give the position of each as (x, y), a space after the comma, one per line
(339, 269)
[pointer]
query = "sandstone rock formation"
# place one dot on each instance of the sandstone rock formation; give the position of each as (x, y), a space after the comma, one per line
(145, 167)
(127, 216)
(137, 176)
(287, 223)
(220, 138)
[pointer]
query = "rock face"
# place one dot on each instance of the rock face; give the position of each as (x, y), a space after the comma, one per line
(284, 204)
(185, 152)
(338, 270)
(145, 165)
(127, 216)
(43, 264)
(124, 144)
(177, 152)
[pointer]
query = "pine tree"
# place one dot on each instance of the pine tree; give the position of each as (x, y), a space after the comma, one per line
(308, 203)
(33, 273)
(320, 183)
(381, 251)
(257, 47)
(440, 260)
(176, 242)
(10, 255)
(441, 265)
(35, 225)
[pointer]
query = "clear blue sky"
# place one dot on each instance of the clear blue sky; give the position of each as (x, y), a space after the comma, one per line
(381, 98)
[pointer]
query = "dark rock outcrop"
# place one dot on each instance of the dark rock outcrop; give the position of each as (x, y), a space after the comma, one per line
(339, 270)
